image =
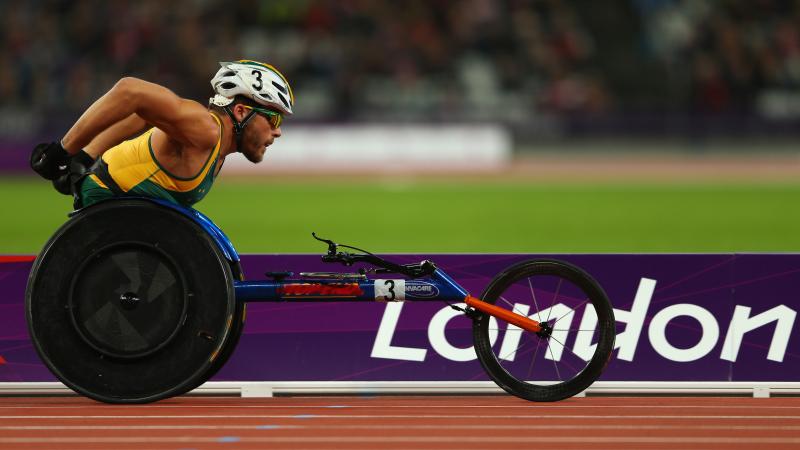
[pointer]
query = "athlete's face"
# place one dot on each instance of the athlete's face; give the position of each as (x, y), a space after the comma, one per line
(259, 134)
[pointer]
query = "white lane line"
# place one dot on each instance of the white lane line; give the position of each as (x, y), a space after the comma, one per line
(405, 427)
(427, 407)
(406, 439)
(400, 416)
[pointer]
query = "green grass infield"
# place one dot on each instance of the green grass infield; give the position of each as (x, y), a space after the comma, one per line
(431, 216)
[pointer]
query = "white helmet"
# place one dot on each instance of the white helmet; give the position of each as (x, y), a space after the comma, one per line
(257, 81)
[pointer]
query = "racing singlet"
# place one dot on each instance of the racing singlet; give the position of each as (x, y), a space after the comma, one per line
(131, 168)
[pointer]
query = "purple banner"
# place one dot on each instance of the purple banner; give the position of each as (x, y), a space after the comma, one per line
(682, 318)
(16, 155)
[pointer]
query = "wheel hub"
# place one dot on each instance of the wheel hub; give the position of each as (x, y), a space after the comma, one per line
(545, 331)
(129, 300)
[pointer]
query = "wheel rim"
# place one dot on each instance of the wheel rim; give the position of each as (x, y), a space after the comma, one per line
(128, 300)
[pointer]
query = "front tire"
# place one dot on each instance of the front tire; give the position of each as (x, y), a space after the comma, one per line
(574, 309)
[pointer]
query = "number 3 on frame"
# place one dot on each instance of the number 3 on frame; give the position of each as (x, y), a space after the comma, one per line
(390, 290)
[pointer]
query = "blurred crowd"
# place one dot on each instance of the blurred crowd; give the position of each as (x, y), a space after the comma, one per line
(418, 60)
(728, 56)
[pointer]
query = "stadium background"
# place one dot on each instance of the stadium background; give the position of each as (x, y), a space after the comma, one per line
(636, 126)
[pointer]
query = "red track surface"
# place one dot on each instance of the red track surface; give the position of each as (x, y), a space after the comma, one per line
(496, 422)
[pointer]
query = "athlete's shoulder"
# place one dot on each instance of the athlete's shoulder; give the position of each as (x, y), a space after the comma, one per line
(212, 125)
(206, 127)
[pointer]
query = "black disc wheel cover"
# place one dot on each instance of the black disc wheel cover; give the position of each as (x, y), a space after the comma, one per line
(117, 292)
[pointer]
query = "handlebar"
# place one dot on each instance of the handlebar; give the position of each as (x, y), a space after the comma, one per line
(420, 269)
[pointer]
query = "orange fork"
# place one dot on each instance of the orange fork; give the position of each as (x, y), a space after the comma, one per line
(511, 317)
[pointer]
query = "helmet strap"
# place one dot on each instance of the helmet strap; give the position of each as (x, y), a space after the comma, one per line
(238, 127)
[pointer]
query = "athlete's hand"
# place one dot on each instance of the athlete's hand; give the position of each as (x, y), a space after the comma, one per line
(77, 166)
(63, 184)
(50, 160)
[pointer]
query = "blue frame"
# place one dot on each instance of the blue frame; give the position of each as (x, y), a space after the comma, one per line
(437, 287)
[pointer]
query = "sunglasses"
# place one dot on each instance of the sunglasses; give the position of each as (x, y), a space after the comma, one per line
(273, 117)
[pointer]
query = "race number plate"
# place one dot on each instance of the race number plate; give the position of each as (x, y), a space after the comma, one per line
(390, 290)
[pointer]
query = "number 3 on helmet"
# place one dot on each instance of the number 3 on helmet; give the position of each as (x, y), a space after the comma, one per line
(257, 81)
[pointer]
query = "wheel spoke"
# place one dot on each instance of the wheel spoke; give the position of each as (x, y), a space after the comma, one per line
(555, 297)
(507, 302)
(513, 308)
(535, 355)
(557, 329)
(562, 359)
(575, 329)
(514, 351)
(571, 310)
(533, 294)
(555, 363)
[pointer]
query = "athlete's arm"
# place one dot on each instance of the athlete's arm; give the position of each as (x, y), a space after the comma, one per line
(184, 121)
(113, 135)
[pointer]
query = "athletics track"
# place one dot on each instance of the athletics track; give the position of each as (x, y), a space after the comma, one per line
(407, 422)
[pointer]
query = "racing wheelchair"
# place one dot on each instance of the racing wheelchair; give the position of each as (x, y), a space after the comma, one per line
(134, 300)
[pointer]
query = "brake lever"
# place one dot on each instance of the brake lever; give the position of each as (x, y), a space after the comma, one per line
(346, 258)
(332, 246)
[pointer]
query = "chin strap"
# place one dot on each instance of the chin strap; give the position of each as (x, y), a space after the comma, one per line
(238, 127)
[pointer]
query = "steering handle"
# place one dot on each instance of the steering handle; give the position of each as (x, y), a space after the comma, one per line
(348, 259)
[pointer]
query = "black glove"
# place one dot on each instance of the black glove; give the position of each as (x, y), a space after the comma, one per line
(63, 185)
(49, 160)
(76, 168)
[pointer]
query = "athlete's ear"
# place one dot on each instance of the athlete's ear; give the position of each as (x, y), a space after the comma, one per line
(239, 111)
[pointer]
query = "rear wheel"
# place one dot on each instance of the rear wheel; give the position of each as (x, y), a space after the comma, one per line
(576, 340)
(130, 302)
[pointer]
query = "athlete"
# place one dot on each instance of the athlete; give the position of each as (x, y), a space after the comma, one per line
(142, 139)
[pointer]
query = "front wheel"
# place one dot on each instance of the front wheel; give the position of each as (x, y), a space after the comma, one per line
(576, 340)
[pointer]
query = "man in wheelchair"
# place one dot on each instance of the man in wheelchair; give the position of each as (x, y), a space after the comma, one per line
(141, 139)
